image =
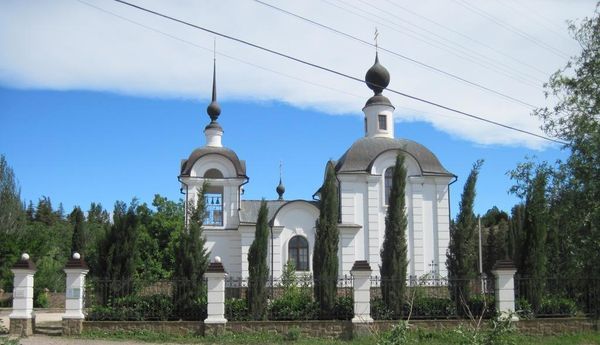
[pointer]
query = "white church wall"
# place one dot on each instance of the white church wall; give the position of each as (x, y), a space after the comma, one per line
(226, 244)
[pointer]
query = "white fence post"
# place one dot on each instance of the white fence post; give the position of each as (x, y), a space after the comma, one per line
(504, 271)
(361, 272)
(215, 281)
(72, 320)
(21, 323)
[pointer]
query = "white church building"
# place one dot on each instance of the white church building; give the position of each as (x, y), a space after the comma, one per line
(364, 173)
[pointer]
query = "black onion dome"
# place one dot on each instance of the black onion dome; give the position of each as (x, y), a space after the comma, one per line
(377, 77)
(280, 190)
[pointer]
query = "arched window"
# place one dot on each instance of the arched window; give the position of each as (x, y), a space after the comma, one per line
(298, 249)
(389, 173)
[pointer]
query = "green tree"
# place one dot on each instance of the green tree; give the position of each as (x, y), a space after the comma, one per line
(325, 255)
(118, 250)
(257, 263)
(394, 251)
(533, 260)
(191, 261)
(12, 218)
(574, 117)
(461, 258)
(78, 238)
(514, 240)
(44, 212)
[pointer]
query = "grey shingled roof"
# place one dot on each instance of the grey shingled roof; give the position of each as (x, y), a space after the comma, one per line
(361, 155)
(249, 209)
(240, 166)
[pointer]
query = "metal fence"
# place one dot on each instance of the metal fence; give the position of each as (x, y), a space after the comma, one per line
(288, 299)
(432, 298)
(136, 300)
(557, 297)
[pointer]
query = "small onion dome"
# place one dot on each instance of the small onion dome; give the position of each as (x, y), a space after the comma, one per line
(280, 190)
(377, 77)
(213, 110)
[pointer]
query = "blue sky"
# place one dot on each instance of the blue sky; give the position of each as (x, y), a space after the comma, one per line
(78, 147)
(100, 102)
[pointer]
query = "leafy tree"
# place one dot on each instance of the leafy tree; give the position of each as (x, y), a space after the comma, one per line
(11, 219)
(257, 263)
(325, 256)
(574, 117)
(533, 260)
(118, 250)
(78, 238)
(394, 251)
(461, 258)
(97, 227)
(191, 260)
(44, 212)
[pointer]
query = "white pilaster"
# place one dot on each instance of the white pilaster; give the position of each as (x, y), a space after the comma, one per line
(76, 270)
(23, 272)
(504, 271)
(215, 281)
(361, 272)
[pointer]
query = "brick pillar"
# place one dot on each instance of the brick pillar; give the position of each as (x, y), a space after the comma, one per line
(504, 271)
(215, 281)
(72, 319)
(21, 323)
(361, 272)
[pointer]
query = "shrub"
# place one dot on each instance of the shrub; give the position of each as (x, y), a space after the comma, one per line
(292, 334)
(236, 309)
(482, 305)
(523, 308)
(398, 335)
(379, 310)
(135, 308)
(41, 300)
(432, 307)
(294, 307)
(344, 308)
(557, 306)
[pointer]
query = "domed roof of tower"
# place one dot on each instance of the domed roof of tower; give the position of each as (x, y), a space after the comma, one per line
(377, 77)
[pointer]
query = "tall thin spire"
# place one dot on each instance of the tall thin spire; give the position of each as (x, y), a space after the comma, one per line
(213, 109)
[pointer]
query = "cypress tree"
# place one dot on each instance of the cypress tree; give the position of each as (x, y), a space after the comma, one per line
(78, 238)
(191, 262)
(533, 260)
(257, 263)
(461, 258)
(325, 256)
(514, 241)
(394, 252)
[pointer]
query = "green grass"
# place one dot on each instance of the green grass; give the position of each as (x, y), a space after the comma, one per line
(415, 337)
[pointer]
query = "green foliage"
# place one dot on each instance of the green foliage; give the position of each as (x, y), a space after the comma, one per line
(398, 335)
(325, 255)
(12, 218)
(344, 308)
(118, 250)
(292, 334)
(394, 250)
(380, 310)
(134, 308)
(40, 299)
(296, 301)
(257, 263)
(432, 307)
(461, 258)
(78, 238)
(524, 309)
(533, 260)
(236, 309)
(191, 260)
(557, 306)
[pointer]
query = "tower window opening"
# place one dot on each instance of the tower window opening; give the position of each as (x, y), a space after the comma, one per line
(298, 250)
(382, 122)
(213, 203)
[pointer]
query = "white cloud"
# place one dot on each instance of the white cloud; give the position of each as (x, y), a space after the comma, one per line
(66, 45)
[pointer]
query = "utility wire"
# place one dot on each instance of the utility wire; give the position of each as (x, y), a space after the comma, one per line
(494, 65)
(422, 64)
(307, 63)
(270, 70)
(474, 40)
(511, 28)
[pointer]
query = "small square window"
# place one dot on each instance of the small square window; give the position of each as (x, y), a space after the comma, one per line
(382, 122)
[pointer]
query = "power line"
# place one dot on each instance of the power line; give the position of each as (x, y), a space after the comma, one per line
(422, 64)
(270, 70)
(511, 28)
(307, 63)
(495, 65)
(474, 40)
